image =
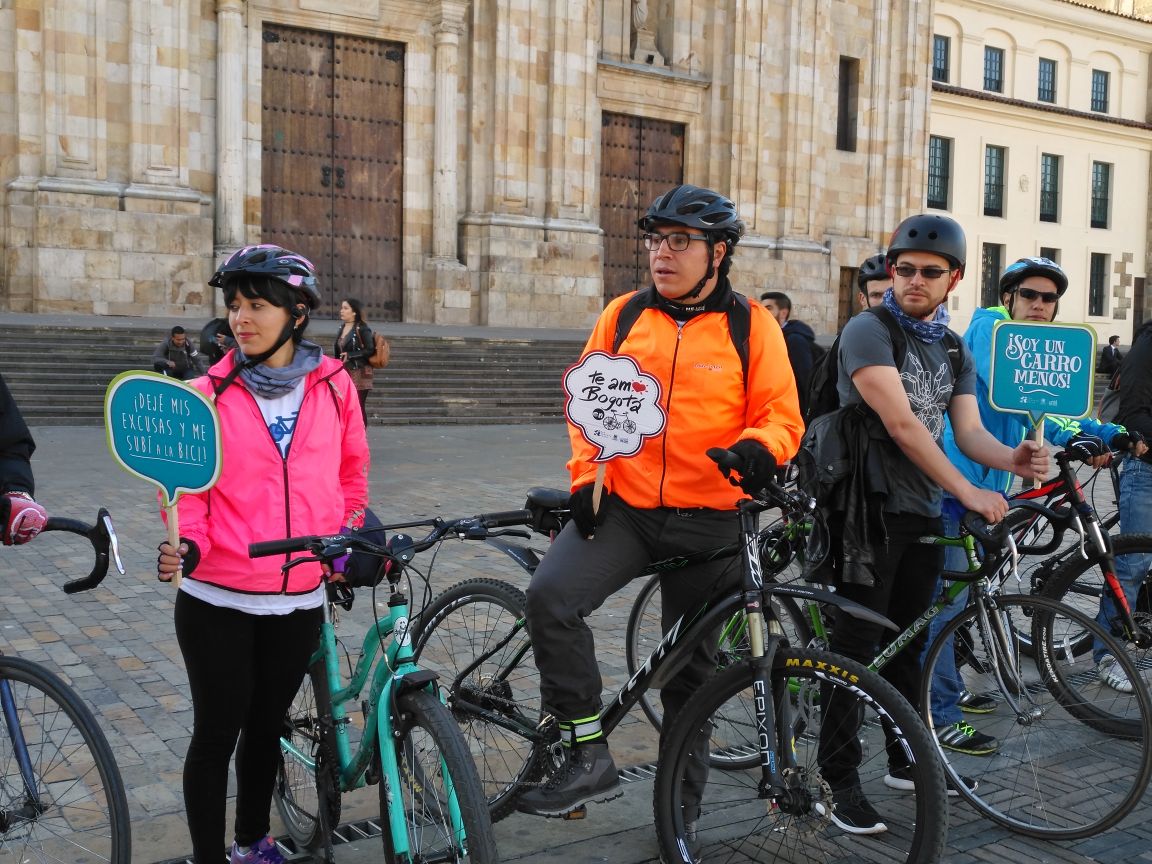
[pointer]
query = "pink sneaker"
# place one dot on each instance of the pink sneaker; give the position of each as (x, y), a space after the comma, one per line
(264, 852)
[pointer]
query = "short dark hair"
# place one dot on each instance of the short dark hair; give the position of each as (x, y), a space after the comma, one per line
(177, 330)
(777, 297)
(1112, 339)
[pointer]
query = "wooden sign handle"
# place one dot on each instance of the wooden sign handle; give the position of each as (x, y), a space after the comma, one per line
(174, 538)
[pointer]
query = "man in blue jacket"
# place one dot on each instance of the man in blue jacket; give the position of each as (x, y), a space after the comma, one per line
(1030, 290)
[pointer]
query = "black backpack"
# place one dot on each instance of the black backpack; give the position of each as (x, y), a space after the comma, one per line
(739, 323)
(823, 397)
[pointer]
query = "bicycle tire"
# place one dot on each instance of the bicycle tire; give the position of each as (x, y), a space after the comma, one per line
(301, 790)
(82, 811)
(1080, 582)
(462, 624)
(735, 824)
(433, 757)
(1050, 714)
(644, 632)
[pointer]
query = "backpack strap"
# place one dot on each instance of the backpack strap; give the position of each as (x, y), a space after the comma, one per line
(739, 314)
(900, 341)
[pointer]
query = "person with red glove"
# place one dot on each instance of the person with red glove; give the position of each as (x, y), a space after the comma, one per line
(20, 515)
(669, 499)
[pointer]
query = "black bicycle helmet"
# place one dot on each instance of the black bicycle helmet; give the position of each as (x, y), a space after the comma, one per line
(929, 232)
(1018, 271)
(872, 270)
(275, 262)
(694, 207)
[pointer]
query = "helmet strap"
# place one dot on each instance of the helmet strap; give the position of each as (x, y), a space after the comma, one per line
(249, 362)
(695, 292)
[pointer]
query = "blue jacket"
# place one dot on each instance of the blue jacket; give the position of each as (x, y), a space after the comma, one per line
(1007, 428)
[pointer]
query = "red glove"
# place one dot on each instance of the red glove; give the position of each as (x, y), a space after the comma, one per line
(25, 519)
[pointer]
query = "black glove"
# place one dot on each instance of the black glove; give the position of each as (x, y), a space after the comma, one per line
(1125, 440)
(1085, 446)
(580, 510)
(759, 468)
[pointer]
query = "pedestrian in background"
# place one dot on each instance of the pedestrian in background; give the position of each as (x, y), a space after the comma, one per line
(799, 338)
(354, 345)
(176, 357)
(246, 628)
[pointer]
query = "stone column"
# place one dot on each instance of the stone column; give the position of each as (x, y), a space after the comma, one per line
(231, 84)
(445, 203)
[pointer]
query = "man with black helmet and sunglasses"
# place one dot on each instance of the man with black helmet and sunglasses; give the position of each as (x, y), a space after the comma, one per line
(668, 499)
(925, 258)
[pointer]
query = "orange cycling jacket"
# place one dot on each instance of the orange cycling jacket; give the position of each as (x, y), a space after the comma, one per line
(705, 401)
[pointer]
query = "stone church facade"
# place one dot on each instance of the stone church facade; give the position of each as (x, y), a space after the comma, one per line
(448, 162)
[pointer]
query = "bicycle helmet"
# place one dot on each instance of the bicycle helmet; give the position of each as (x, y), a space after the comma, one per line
(704, 210)
(929, 232)
(275, 262)
(1018, 271)
(695, 207)
(872, 270)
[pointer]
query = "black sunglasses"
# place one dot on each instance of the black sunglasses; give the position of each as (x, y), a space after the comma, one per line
(1046, 296)
(907, 271)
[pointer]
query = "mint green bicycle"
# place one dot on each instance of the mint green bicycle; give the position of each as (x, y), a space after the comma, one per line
(432, 806)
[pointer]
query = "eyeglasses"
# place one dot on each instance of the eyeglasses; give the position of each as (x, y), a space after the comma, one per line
(677, 240)
(907, 271)
(1046, 296)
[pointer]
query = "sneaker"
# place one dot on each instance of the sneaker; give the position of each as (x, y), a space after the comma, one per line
(852, 812)
(901, 779)
(1109, 671)
(264, 852)
(588, 774)
(977, 703)
(963, 738)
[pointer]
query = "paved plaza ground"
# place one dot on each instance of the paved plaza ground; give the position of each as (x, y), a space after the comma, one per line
(116, 644)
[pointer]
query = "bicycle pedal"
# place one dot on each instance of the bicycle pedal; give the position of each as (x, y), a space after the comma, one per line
(580, 812)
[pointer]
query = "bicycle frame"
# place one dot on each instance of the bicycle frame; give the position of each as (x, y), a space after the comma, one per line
(394, 674)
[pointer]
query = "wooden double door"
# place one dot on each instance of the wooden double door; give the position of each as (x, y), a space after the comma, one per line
(640, 158)
(332, 109)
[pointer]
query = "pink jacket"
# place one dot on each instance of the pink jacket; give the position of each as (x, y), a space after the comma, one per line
(319, 487)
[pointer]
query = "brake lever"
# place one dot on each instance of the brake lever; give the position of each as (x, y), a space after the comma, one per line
(510, 532)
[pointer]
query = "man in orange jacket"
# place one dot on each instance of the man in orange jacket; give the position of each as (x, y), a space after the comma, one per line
(669, 499)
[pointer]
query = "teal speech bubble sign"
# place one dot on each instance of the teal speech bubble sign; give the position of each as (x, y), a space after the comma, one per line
(164, 431)
(1040, 369)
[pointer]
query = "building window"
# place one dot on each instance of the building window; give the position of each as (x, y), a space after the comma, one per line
(939, 171)
(994, 180)
(1100, 91)
(994, 69)
(1049, 188)
(941, 49)
(991, 263)
(1046, 83)
(1101, 193)
(1051, 253)
(848, 105)
(1098, 284)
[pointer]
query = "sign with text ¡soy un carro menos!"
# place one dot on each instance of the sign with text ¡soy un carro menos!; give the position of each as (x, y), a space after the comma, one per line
(1039, 369)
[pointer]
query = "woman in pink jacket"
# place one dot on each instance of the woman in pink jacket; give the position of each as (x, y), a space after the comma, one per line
(294, 461)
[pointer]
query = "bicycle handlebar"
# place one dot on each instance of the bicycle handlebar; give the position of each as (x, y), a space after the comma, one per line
(102, 536)
(774, 495)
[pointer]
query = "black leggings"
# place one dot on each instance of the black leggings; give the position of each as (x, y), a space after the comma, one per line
(243, 671)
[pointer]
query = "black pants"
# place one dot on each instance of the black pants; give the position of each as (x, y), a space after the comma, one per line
(906, 575)
(243, 671)
(578, 575)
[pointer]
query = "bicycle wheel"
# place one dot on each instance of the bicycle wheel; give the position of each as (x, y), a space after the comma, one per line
(474, 635)
(308, 775)
(1081, 583)
(644, 633)
(61, 796)
(735, 823)
(1050, 715)
(434, 763)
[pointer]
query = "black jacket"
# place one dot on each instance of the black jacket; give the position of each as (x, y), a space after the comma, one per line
(1135, 386)
(359, 346)
(799, 338)
(16, 446)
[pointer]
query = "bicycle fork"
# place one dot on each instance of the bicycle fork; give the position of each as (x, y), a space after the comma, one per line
(32, 806)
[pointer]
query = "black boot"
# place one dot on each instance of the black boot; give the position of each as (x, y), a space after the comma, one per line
(588, 774)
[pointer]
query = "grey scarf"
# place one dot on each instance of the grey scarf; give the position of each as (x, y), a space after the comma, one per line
(273, 381)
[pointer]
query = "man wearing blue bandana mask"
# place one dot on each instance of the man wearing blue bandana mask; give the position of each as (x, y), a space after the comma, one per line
(925, 258)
